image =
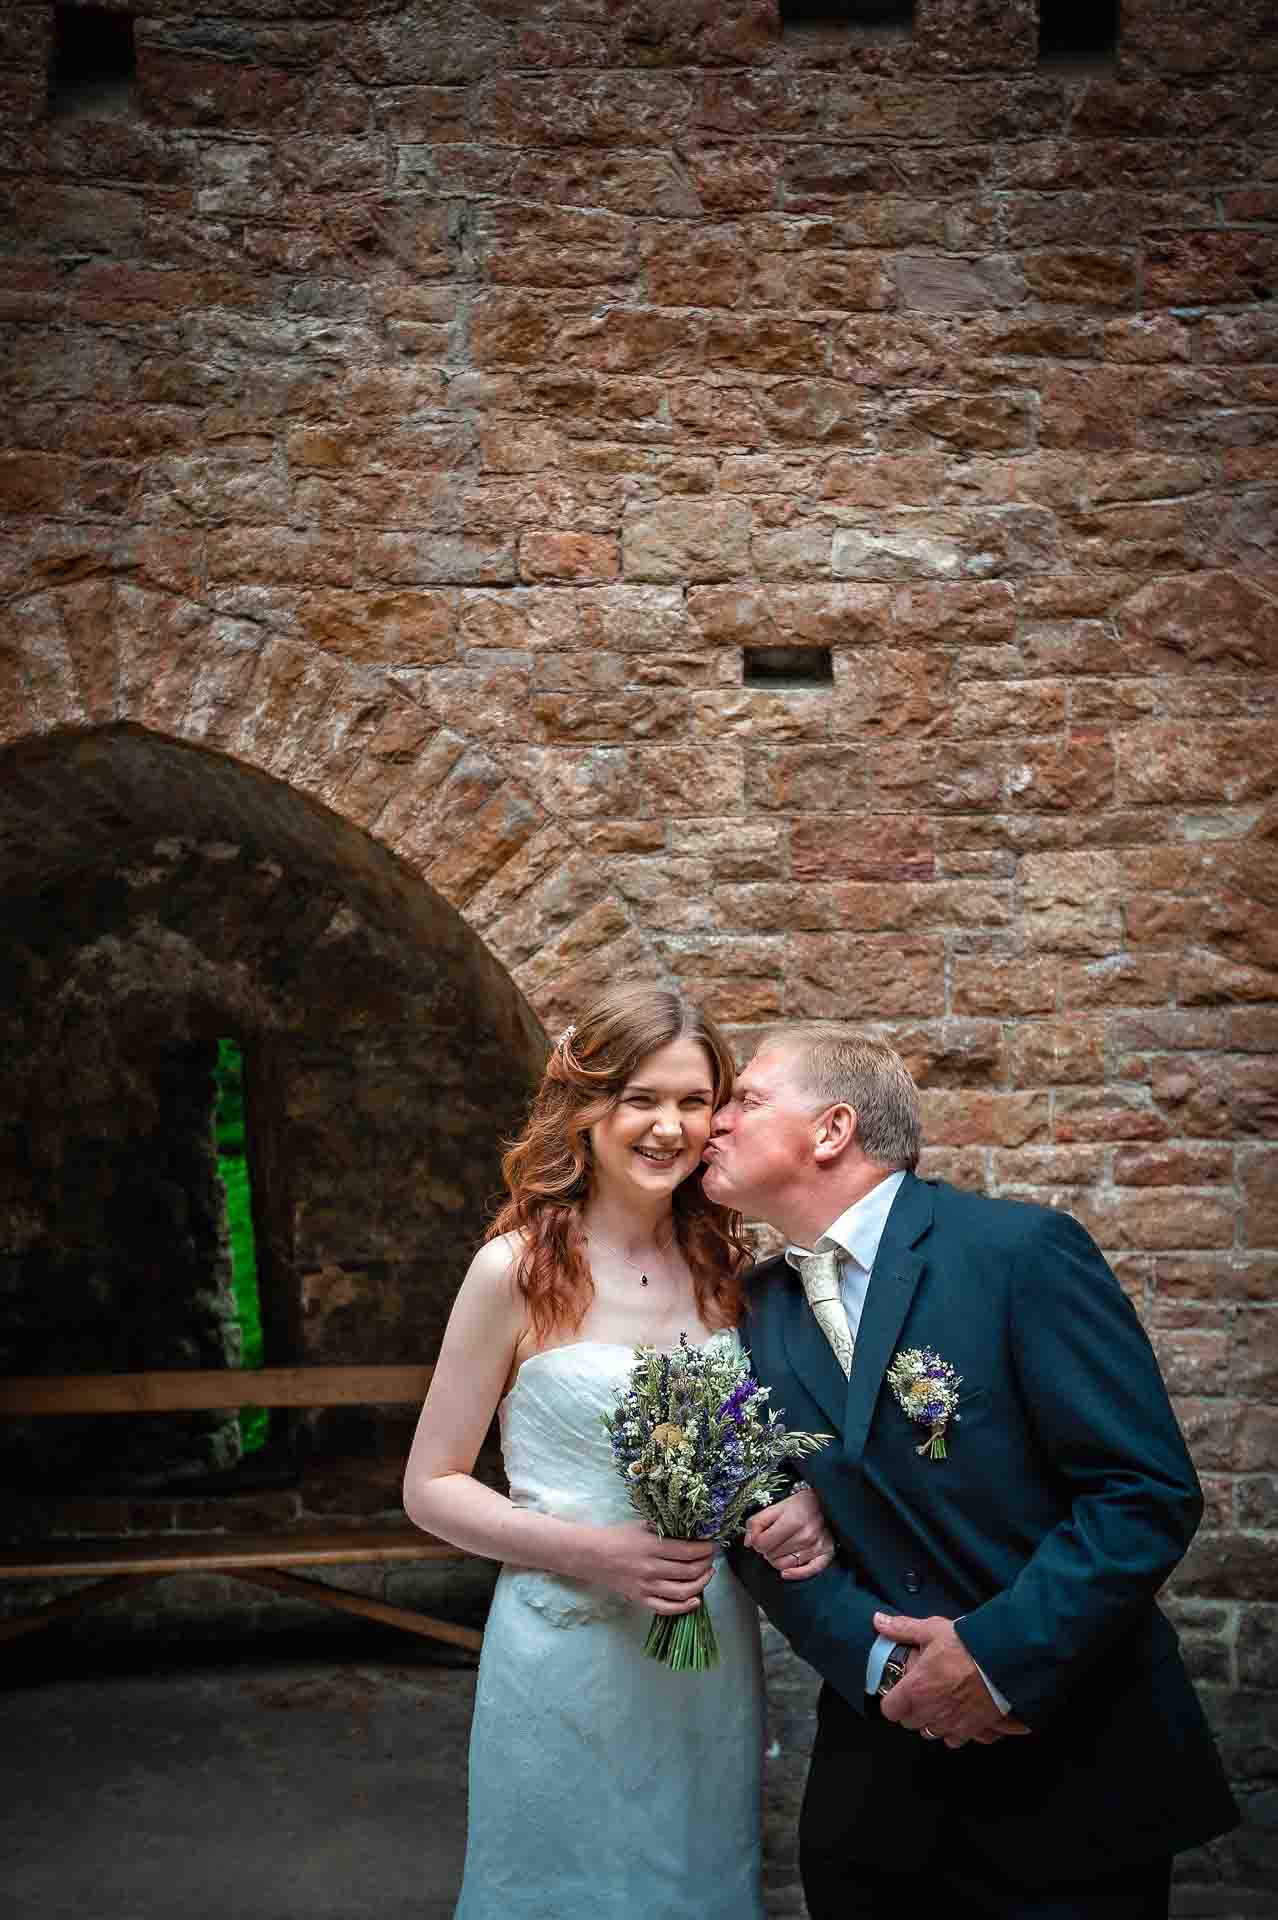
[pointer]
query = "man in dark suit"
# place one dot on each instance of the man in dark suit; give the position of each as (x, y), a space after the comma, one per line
(1006, 1727)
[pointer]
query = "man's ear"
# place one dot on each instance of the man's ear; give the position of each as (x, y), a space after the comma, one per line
(836, 1130)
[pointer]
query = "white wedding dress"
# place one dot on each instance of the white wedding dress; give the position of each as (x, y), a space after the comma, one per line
(602, 1785)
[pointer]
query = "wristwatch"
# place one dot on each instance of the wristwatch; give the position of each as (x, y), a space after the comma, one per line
(893, 1669)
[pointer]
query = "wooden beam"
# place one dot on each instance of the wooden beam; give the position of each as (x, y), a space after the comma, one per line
(222, 1552)
(342, 1602)
(178, 1391)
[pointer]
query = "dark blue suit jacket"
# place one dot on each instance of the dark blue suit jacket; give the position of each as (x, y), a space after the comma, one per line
(1066, 1499)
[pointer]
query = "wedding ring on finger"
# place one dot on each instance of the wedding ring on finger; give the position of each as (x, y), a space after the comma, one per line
(928, 1733)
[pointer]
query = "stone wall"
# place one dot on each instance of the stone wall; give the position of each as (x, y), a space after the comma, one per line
(427, 406)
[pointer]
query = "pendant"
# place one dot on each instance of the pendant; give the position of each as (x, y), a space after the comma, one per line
(643, 1279)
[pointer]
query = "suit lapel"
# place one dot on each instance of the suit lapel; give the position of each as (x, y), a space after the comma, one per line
(898, 1268)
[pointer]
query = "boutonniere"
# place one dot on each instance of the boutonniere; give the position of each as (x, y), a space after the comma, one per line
(927, 1390)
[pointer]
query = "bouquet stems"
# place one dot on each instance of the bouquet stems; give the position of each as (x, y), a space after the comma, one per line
(684, 1642)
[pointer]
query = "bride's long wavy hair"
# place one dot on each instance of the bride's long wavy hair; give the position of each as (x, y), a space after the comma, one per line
(549, 1174)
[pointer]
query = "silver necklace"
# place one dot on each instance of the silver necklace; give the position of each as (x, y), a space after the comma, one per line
(636, 1266)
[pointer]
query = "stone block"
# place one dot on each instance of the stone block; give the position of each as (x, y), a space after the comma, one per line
(571, 557)
(512, 330)
(941, 284)
(1057, 1052)
(519, 245)
(1048, 1167)
(405, 559)
(1083, 276)
(707, 267)
(405, 628)
(765, 344)
(66, 217)
(953, 1053)
(960, 1166)
(1007, 984)
(934, 547)
(991, 707)
(837, 282)
(1151, 1218)
(621, 717)
(1117, 979)
(1071, 902)
(687, 540)
(984, 1119)
(846, 846)
(1218, 1096)
(1074, 774)
(1210, 266)
(1109, 1114)
(625, 339)
(1176, 1164)
(809, 779)
(1233, 762)
(841, 977)
(537, 619)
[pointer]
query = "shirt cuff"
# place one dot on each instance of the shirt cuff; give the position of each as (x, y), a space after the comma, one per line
(1000, 1700)
(878, 1660)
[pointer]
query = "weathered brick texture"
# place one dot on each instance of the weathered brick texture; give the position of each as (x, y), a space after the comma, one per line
(427, 405)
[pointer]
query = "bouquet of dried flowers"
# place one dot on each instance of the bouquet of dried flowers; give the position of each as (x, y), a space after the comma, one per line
(699, 1449)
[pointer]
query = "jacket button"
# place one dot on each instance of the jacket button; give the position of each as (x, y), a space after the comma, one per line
(912, 1582)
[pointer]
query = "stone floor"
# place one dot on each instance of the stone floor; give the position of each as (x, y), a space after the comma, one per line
(325, 1781)
(319, 1774)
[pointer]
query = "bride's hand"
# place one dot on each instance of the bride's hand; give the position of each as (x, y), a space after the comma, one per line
(792, 1535)
(667, 1576)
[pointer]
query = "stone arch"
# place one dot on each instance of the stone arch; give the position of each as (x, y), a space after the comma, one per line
(453, 807)
(160, 895)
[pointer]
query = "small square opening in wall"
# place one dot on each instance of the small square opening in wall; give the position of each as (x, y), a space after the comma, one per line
(1077, 32)
(788, 667)
(94, 65)
(860, 19)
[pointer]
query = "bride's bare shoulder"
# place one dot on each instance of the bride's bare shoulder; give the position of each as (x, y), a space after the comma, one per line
(494, 1265)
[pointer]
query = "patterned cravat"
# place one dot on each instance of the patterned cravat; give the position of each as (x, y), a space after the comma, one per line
(819, 1273)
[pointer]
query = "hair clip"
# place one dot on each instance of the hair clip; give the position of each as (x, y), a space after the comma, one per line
(562, 1042)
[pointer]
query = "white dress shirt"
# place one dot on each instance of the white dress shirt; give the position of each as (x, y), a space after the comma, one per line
(855, 1237)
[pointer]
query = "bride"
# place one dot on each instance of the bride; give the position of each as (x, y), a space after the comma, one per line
(602, 1785)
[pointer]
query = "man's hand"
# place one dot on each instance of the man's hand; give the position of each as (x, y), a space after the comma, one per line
(792, 1535)
(941, 1694)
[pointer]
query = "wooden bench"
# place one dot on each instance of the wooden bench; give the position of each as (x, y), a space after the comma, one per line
(119, 1565)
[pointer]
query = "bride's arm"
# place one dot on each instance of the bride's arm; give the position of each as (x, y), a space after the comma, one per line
(442, 1496)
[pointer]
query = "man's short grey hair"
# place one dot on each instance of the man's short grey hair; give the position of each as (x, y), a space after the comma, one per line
(835, 1065)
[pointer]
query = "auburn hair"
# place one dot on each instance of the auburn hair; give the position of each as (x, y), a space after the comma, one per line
(548, 1169)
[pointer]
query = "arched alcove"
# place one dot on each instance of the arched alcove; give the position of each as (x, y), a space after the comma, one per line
(159, 898)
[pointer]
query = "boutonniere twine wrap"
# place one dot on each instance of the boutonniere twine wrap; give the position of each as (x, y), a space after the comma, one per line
(927, 1391)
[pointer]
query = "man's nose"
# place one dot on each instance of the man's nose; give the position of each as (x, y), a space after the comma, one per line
(721, 1121)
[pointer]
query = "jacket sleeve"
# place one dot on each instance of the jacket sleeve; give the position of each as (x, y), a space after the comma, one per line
(828, 1620)
(1095, 1397)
